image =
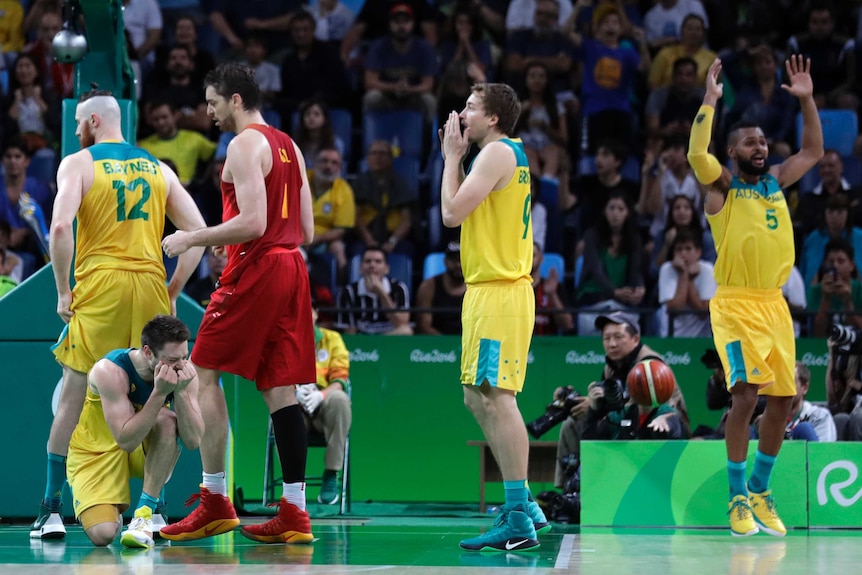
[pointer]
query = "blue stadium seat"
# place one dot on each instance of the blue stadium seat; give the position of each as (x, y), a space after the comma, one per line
(272, 118)
(809, 181)
(852, 170)
(435, 226)
(549, 192)
(43, 166)
(400, 267)
(4, 81)
(408, 168)
(840, 128)
(434, 265)
(403, 126)
(553, 261)
(579, 267)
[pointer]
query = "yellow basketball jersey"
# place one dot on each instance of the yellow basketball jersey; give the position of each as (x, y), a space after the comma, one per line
(497, 238)
(122, 217)
(753, 236)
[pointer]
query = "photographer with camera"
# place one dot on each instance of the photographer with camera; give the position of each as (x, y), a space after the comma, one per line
(719, 398)
(844, 382)
(623, 350)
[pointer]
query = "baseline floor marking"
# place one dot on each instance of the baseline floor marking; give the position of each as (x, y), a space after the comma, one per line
(565, 552)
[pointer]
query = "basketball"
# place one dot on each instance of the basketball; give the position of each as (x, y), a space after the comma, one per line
(650, 382)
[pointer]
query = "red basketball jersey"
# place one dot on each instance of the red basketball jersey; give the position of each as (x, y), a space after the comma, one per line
(283, 219)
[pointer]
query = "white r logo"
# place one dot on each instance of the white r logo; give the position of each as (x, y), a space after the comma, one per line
(835, 489)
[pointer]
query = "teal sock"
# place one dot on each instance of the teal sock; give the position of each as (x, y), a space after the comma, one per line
(736, 475)
(56, 481)
(516, 493)
(147, 501)
(329, 474)
(162, 498)
(759, 481)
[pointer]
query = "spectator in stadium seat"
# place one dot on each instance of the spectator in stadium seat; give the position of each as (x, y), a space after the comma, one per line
(837, 225)
(57, 77)
(181, 90)
(685, 283)
(372, 23)
(763, 102)
(266, 74)
(400, 69)
(236, 20)
(187, 149)
(301, 79)
(366, 304)
(812, 204)
(334, 207)
(445, 290)
(663, 22)
(314, 132)
(384, 205)
(670, 109)
(333, 20)
(542, 124)
(682, 215)
(185, 33)
(551, 299)
(692, 45)
(836, 289)
(833, 67)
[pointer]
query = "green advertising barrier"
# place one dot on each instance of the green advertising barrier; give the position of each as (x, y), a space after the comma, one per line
(410, 426)
(834, 489)
(678, 483)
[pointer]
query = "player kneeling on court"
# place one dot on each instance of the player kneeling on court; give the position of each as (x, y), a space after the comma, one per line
(140, 404)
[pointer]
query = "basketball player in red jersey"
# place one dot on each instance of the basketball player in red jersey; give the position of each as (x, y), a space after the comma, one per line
(258, 324)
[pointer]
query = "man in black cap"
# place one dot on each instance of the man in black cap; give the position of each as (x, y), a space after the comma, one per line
(623, 350)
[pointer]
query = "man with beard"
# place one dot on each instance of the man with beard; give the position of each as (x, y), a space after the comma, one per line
(180, 90)
(119, 194)
(334, 207)
(187, 149)
(442, 291)
(751, 323)
(263, 295)
(400, 69)
(140, 404)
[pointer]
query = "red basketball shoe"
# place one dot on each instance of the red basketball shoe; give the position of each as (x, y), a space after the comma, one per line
(213, 516)
(291, 525)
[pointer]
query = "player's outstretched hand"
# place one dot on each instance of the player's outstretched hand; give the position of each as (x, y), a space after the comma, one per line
(455, 144)
(799, 75)
(176, 244)
(713, 86)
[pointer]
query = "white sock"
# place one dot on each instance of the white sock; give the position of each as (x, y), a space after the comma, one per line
(294, 493)
(215, 483)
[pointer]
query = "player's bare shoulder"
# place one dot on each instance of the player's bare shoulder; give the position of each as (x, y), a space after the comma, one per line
(247, 149)
(107, 376)
(499, 159)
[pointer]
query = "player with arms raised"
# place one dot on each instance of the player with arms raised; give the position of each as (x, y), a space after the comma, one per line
(751, 323)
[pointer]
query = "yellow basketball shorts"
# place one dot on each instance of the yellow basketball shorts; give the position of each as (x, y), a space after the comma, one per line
(110, 309)
(498, 322)
(753, 334)
(103, 478)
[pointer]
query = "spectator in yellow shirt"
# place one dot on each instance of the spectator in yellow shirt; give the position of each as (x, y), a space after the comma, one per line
(334, 206)
(692, 45)
(327, 404)
(185, 148)
(11, 28)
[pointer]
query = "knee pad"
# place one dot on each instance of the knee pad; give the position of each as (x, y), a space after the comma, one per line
(102, 513)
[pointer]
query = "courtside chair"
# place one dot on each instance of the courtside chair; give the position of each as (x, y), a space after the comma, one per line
(271, 482)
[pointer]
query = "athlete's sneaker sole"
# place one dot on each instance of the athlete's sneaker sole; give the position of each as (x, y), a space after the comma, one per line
(508, 546)
(49, 533)
(136, 540)
(754, 531)
(542, 528)
(212, 528)
(294, 537)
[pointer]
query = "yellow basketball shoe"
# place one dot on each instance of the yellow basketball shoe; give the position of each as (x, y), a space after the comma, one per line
(742, 521)
(763, 507)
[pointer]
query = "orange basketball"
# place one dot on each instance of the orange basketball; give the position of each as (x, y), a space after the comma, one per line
(651, 382)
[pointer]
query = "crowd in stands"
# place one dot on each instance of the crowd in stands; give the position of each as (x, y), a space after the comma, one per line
(609, 90)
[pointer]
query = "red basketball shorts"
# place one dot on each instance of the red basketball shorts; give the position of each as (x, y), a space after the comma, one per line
(261, 327)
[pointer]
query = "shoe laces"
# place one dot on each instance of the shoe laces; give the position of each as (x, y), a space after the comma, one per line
(769, 502)
(192, 499)
(140, 524)
(741, 507)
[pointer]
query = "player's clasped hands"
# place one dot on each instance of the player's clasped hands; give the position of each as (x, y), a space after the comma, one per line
(454, 143)
(173, 378)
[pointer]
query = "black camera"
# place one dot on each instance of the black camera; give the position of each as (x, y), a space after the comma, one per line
(614, 398)
(556, 412)
(847, 338)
